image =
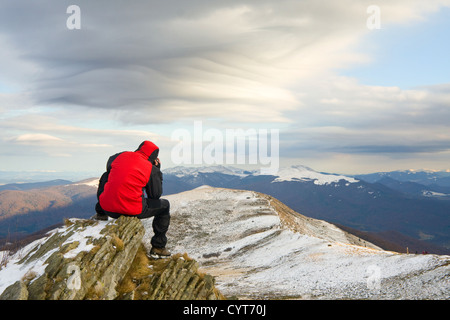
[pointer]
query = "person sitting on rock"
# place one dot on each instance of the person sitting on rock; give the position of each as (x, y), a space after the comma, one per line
(132, 186)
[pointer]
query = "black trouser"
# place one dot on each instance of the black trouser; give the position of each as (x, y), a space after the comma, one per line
(157, 208)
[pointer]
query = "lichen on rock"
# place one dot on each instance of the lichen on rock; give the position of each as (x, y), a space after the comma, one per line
(93, 260)
(174, 278)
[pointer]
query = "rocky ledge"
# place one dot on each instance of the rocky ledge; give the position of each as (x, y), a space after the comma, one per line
(89, 259)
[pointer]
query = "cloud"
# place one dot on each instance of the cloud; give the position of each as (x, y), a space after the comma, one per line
(149, 60)
(37, 138)
(50, 129)
(136, 66)
(35, 135)
(355, 119)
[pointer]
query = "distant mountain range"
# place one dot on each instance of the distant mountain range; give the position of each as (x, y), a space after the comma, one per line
(417, 183)
(32, 207)
(395, 210)
(369, 203)
(34, 185)
(19, 177)
(425, 177)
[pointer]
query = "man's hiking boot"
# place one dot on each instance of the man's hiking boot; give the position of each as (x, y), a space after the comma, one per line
(159, 253)
(101, 217)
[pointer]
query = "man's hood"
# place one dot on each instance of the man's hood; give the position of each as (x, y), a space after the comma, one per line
(149, 149)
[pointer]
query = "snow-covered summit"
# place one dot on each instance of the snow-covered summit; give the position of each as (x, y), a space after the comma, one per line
(303, 173)
(180, 171)
(292, 173)
(91, 182)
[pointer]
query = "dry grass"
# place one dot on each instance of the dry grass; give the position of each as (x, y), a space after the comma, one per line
(68, 222)
(139, 270)
(140, 267)
(95, 249)
(139, 276)
(179, 255)
(117, 242)
(30, 275)
(4, 258)
(95, 292)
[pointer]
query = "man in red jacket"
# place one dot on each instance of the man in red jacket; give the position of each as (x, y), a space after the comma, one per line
(132, 186)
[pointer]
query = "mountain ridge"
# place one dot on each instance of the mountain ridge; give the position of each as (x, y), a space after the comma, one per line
(355, 204)
(257, 247)
(23, 212)
(370, 207)
(252, 245)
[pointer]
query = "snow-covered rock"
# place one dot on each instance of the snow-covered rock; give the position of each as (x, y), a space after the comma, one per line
(100, 260)
(72, 260)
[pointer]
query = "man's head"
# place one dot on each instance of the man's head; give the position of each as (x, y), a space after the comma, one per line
(149, 149)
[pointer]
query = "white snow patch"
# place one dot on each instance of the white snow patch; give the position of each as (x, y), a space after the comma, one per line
(203, 187)
(15, 271)
(180, 171)
(293, 173)
(303, 173)
(82, 236)
(428, 193)
(89, 182)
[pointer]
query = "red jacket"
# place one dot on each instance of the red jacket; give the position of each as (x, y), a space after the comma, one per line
(128, 178)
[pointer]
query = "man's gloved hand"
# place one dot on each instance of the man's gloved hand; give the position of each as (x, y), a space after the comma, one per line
(157, 163)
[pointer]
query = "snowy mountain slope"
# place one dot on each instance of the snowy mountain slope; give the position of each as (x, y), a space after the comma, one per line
(424, 177)
(91, 182)
(292, 173)
(303, 173)
(349, 201)
(259, 248)
(180, 171)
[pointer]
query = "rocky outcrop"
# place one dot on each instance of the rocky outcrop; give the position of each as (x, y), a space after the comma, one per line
(97, 260)
(175, 278)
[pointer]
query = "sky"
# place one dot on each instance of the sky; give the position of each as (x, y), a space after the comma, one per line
(345, 94)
